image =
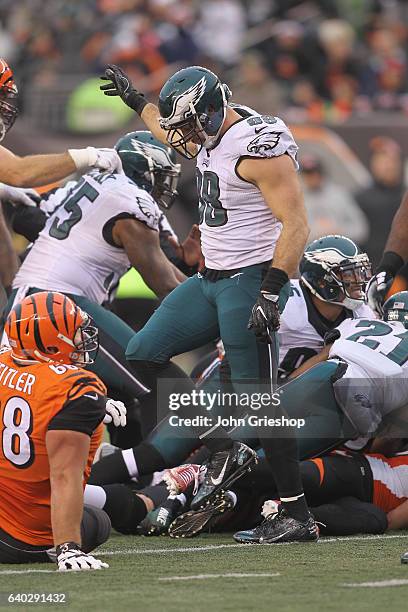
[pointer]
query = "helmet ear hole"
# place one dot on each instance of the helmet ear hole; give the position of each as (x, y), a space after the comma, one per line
(52, 350)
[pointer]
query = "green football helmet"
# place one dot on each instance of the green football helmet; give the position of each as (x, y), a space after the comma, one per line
(396, 308)
(193, 105)
(335, 270)
(151, 165)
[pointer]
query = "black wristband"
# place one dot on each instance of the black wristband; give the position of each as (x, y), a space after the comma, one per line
(391, 262)
(331, 336)
(274, 281)
(61, 548)
(137, 101)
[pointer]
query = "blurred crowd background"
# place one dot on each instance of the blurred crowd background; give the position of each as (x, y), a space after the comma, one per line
(335, 70)
(320, 61)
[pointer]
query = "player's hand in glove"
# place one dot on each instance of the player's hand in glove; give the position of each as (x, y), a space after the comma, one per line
(106, 160)
(71, 558)
(265, 316)
(18, 195)
(120, 85)
(116, 412)
(377, 289)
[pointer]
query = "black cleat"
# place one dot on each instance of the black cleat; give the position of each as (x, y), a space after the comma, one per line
(158, 521)
(284, 528)
(404, 558)
(252, 536)
(192, 523)
(224, 468)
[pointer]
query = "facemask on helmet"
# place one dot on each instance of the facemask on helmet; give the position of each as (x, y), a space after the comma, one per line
(85, 342)
(49, 327)
(151, 165)
(336, 271)
(193, 105)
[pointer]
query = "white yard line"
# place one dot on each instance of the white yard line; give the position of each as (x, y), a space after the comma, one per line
(161, 551)
(28, 571)
(214, 547)
(210, 576)
(185, 549)
(380, 584)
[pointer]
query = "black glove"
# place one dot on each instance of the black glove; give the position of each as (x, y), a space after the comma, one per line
(379, 285)
(265, 313)
(121, 85)
(331, 336)
(265, 317)
(377, 289)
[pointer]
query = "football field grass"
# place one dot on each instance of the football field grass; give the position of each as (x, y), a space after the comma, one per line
(212, 574)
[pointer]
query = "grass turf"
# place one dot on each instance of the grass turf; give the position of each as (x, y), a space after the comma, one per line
(312, 576)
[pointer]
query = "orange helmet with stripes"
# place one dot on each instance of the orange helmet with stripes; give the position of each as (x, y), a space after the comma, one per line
(49, 326)
(8, 96)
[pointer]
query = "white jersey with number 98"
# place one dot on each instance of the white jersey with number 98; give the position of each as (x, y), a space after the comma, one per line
(237, 227)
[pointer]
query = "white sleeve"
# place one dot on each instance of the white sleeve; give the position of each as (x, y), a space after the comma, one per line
(138, 204)
(268, 138)
(372, 362)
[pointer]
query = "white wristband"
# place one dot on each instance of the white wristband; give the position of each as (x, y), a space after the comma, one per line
(83, 158)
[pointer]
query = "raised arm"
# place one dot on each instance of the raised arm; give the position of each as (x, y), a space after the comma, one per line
(119, 84)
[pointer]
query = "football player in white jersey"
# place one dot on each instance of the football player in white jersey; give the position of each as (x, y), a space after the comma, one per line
(331, 289)
(33, 170)
(333, 276)
(98, 228)
(251, 211)
(355, 386)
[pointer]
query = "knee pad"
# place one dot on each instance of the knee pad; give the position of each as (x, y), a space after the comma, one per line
(125, 509)
(95, 528)
(348, 516)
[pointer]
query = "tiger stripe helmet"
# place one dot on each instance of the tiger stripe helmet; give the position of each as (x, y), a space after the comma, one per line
(49, 326)
(8, 96)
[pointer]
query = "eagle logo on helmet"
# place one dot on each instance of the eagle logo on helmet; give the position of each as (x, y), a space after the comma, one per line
(184, 104)
(329, 258)
(160, 156)
(325, 257)
(266, 141)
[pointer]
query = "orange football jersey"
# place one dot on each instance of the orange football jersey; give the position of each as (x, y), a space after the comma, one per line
(390, 480)
(30, 396)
